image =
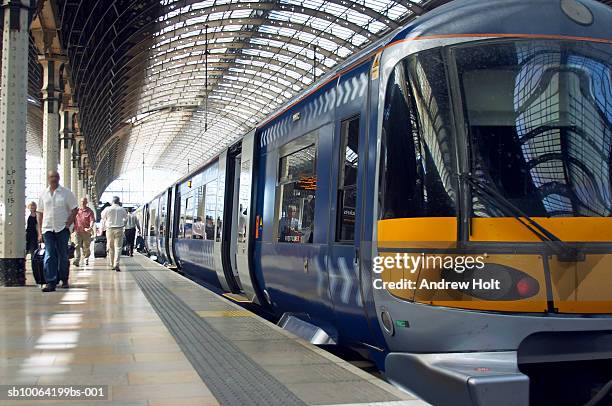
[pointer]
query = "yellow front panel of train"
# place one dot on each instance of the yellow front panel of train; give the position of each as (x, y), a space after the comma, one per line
(583, 286)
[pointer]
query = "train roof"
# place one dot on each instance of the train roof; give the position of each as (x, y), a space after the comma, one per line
(587, 19)
(584, 19)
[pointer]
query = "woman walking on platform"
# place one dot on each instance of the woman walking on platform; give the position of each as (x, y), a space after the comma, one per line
(31, 230)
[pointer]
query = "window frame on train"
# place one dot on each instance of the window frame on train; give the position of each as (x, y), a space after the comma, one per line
(309, 140)
(342, 217)
(393, 185)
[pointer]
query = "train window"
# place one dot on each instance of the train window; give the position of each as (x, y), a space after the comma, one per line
(297, 185)
(244, 198)
(416, 163)
(188, 224)
(219, 211)
(183, 205)
(210, 201)
(539, 114)
(152, 220)
(162, 218)
(198, 221)
(347, 181)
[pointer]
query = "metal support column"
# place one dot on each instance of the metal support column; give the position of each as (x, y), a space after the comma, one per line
(50, 98)
(66, 141)
(74, 186)
(13, 112)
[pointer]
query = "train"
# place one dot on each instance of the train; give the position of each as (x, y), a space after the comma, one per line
(481, 129)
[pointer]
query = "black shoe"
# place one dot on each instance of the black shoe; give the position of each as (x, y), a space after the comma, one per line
(65, 285)
(117, 269)
(49, 288)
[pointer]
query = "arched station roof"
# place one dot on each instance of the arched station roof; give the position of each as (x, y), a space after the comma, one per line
(176, 80)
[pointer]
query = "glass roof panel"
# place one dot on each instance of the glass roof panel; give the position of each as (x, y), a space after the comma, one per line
(217, 67)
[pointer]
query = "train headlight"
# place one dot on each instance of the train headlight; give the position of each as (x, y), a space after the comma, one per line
(513, 283)
(527, 286)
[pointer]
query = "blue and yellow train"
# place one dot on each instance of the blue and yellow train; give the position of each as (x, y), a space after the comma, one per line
(482, 128)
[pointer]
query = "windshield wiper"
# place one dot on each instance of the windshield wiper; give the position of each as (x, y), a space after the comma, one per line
(565, 252)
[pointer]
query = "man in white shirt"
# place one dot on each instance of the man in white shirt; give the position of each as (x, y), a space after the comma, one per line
(56, 210)
(113, 220)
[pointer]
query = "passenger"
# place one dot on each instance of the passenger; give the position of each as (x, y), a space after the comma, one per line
(31, 229)
(131, 224)
(289, 225)
(242, 224)
(83, 228)
(113, 220)
(57, 210)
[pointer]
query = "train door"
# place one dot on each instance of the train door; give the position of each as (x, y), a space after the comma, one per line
(161, 227)
(232, 206)
(228, 278)
(168, 225)
(344, 264)
(241, 216)
(152, 227)
(295, 243)
(175, 211)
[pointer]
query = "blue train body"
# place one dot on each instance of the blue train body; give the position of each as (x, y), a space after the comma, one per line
(224, 224)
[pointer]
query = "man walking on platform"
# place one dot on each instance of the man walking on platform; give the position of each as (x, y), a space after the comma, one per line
(113, 220)
(83, 226)
(131, 223)
(57, 208)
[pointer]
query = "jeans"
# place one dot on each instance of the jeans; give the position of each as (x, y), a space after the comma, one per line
(56, 256)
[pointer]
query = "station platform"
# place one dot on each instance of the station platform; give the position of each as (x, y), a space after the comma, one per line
(157, 338)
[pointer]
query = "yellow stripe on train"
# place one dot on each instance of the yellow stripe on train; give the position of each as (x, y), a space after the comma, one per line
(577, 287)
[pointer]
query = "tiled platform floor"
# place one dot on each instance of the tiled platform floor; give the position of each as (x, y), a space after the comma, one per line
(103, 331)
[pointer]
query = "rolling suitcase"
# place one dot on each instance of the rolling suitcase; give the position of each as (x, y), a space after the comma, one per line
(38, 266)
(140, 246)
(124, 247)
(100, 247)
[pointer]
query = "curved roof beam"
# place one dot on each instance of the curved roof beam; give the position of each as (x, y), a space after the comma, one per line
(353, 5)
(270, 6)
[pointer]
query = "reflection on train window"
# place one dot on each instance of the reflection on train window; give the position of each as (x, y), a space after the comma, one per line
(296, 193)
(416, 163)
(540, 122)
(209, 213)
(218, 223)
(162, 217)
(347, 181)
(153, 219)
(198, 220)
(244, 198)
(188, 225)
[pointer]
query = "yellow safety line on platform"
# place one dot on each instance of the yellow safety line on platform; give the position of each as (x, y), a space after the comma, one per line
(237, 298)
(224, 313)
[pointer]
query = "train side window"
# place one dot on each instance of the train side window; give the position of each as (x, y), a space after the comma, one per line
(198, 221)
(297, 184)
(416, 161)
(152, 219)
(210, 202)
(183, 205)
(188, 226)
(347, 181)
(162, 218)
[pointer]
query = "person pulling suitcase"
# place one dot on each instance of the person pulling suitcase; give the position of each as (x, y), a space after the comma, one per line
(57, 209)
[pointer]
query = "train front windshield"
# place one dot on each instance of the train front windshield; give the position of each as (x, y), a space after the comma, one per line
(539, 117)
(528, 124)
